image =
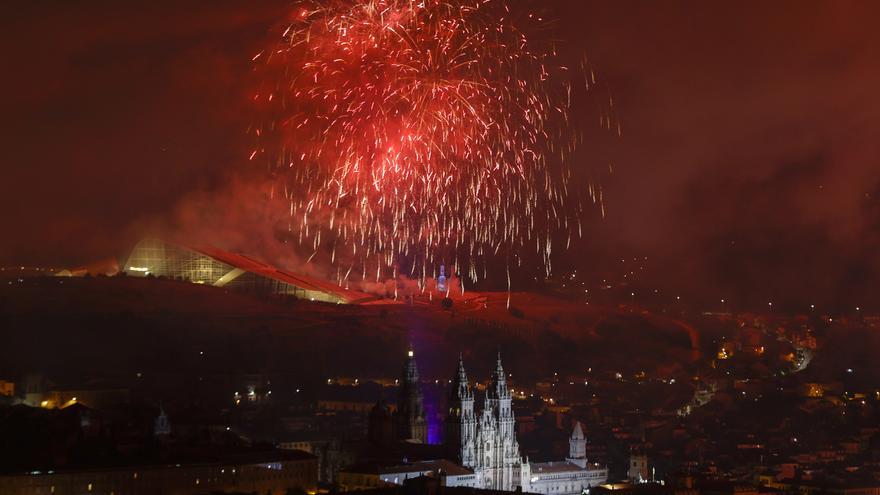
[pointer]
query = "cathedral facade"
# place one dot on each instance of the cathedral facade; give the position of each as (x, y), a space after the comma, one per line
(485, 442)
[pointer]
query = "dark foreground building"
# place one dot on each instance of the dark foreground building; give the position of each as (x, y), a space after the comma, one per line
(426, 485)
(275, 472)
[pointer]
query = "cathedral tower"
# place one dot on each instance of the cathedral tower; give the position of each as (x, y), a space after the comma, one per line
(500, 402)
(461, 423)
(409, 419)
(497, 451)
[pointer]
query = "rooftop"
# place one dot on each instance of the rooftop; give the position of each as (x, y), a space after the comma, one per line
(560, 467)
(441, 466)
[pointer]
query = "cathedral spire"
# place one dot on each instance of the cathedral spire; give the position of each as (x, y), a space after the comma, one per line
(462, 376)
(461, 423)
(578, 433)
(460, 389)
(498, 385)
(499, 370)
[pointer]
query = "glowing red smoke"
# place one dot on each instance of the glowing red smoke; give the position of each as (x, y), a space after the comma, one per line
(412, 133)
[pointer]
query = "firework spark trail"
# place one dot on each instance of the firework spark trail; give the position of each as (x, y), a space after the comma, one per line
(428, 131)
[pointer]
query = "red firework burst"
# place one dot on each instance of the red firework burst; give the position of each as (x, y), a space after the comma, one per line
(419, 132)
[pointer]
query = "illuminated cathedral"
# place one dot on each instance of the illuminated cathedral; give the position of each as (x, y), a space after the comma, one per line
(485, 443)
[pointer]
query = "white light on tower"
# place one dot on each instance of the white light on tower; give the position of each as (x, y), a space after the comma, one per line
(410, 353)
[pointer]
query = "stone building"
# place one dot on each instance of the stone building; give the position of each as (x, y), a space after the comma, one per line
(409, 418)
(483, 444)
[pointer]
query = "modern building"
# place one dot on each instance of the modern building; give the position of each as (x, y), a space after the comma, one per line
(212, 266)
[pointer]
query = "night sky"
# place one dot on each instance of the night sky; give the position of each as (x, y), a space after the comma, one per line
(749, 163)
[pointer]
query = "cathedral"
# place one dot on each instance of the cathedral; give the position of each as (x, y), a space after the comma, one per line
(485, 443)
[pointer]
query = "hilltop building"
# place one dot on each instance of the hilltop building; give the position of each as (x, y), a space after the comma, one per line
(211, 266)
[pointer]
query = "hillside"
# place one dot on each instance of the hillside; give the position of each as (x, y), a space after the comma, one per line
(117, 327)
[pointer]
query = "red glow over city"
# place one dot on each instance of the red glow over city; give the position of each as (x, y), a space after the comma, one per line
(441, 247)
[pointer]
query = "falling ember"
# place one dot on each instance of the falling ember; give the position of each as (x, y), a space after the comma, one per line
(420, 132)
